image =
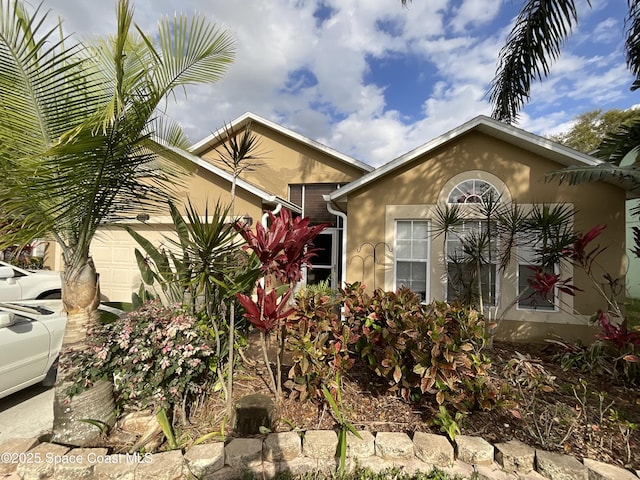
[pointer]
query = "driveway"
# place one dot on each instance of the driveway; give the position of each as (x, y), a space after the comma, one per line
(27, 413)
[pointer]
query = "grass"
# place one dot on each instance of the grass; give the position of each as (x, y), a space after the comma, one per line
(367, 474)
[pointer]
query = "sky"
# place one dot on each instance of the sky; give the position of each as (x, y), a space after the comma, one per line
(370, 78)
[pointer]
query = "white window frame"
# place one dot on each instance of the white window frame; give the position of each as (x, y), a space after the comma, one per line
(523, 259)
(411, 259)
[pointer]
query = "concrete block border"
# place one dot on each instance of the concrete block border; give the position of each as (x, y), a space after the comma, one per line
(302, 452)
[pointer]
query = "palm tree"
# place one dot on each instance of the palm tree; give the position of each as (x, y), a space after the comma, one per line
(77, 131)
(533, 44)
(535, 41)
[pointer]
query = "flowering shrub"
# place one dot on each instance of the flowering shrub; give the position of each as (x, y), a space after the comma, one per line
(156, 355)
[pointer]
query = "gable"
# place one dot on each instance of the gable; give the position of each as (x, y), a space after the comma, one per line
(422, 179)
(286, 158)
(541, 148)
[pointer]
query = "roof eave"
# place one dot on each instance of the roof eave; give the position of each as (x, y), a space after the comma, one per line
(516, 136)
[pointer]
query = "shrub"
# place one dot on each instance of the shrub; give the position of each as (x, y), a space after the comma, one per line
(158, 356)
(614, 353)
(428, 349)
(320, 343)
(418, 349)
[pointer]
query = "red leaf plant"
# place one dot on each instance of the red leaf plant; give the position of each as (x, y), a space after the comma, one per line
(578, 252)
(618, 335)
(266, 313)
(283, 249)
(545, 283)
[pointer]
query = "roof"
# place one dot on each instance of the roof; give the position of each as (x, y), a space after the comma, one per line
(515, 136)
(237, 124)
(266, 197)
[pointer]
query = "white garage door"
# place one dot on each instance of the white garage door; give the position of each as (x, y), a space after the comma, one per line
(113, 254)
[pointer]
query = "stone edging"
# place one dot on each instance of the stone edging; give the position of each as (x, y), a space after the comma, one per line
(299, 453)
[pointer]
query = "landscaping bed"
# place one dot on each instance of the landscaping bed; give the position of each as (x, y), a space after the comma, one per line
(584, 415)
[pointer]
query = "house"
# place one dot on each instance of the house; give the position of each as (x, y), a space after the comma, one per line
(393, 210)
(291, 172)
(383, 222)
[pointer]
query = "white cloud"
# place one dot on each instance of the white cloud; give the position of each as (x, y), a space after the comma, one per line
(457, 44)
(474, 13)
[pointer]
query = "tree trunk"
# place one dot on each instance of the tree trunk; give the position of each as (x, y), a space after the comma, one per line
(81, 297)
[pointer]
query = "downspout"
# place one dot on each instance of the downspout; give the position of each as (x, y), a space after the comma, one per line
(342, 215)
(264, 221)
(265, 216)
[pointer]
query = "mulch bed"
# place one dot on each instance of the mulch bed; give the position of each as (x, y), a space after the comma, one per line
(596, 419)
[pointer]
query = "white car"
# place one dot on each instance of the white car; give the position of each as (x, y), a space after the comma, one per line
(30, 341)
(19, 284)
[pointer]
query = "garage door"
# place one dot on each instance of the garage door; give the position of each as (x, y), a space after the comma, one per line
(113, 254)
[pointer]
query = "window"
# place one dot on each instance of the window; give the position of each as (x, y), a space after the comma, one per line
(471, 251)
(412, 255)
(527, 263)
(473, 191)
(309, 198)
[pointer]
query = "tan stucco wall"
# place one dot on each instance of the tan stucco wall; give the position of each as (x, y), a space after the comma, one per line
(418, 186)
(284, 161)
(202, 188)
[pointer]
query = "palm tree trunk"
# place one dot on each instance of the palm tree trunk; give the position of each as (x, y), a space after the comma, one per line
(81, 297)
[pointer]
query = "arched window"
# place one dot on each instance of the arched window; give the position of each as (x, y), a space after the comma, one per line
(469, 240)
(473, 191)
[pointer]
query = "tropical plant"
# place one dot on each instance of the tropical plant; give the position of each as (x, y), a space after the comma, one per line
(321, 344)
(283, 250)
(78, 129)
(202, 269)
(238, 154)
(433, 349)
(159, 356)
(536, 41)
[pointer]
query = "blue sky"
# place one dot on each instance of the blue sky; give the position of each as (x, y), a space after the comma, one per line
(372, 79)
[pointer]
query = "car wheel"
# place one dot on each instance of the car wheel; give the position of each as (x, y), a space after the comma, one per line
(52, 375)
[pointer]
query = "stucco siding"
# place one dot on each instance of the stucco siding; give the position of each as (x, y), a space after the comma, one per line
(282, 161)
(414, 190)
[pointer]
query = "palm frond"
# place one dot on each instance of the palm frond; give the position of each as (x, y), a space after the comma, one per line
(43, 83)
(628, 176)
(533, 44)
(616, 146)
(632, 43)
(79, 122)
(191, 51)
(239, 149)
